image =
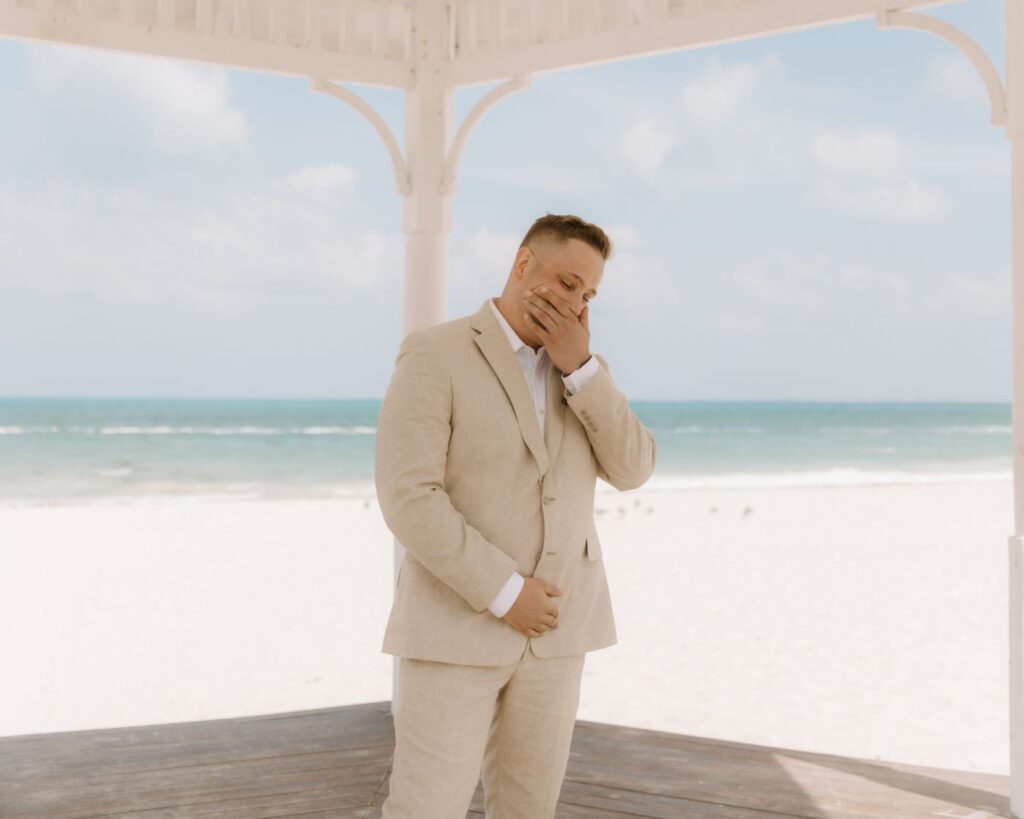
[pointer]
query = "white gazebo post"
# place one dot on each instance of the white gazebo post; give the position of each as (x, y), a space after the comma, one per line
(426, 214)
(1007, 108)
(1015, 132)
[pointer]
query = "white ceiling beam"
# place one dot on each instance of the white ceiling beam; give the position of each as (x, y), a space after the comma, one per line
(204, 16)
(678, 32)
(314, 30)
(234, 51)
(165, 14)
(381, 30)
(126, 10)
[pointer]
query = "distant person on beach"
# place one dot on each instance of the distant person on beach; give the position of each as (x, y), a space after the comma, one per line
(490, 439)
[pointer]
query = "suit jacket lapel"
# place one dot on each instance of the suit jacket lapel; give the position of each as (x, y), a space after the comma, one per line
(491, 340)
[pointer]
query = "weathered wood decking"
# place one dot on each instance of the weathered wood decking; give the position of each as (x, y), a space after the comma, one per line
(334, 763)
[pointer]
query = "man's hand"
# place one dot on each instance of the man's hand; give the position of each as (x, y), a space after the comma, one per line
(565, 337)
(533, 613)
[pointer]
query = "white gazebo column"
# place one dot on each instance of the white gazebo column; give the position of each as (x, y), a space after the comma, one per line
(1014, 84)
(426, 216)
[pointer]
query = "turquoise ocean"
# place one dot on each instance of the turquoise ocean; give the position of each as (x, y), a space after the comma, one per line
(86, 450)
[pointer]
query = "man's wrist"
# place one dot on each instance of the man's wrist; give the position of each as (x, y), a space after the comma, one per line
(575, 380)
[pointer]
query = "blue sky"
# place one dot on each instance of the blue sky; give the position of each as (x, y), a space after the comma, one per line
(820, 215)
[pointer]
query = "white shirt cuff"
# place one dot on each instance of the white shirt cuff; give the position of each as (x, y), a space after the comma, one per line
(577, 378)
(507, 596)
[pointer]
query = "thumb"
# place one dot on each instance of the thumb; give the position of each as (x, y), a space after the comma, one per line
(585, 317)
(552, 590)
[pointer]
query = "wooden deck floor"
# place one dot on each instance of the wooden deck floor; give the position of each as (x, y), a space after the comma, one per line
(335, 763)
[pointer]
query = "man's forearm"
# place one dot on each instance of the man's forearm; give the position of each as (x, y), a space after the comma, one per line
(625, 449)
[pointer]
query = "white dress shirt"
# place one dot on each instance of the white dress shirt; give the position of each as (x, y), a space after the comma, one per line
(535, 367)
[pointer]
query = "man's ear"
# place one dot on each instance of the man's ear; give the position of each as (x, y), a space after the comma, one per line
(522, 261)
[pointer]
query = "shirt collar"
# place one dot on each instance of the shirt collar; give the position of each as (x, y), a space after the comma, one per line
(512, 336)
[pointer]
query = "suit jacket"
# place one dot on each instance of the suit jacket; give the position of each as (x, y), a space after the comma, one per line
(473, 490)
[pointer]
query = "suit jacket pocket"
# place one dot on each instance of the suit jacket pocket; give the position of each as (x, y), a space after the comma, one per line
(593, 545)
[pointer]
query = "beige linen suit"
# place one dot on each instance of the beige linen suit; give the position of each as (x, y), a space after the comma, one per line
(473, 489)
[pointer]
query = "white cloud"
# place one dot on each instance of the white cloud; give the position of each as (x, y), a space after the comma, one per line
(321, 182)
(788, 283)
(186, 107)
(737, 324)
(147, 246)
(646, 144)
(866, 151)
(538, 176)
(952, 76)
(867, 278)
(632, 281)
(702, 143)
(722, 89)
(772, 287)
(806, 268)
(902, 200)
(980, 294)
(493, 250)
(866, 176)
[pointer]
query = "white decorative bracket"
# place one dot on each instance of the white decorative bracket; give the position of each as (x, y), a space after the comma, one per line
(517, 83)
(975, 53)
(402, 184)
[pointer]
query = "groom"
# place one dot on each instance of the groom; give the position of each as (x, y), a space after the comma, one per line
(491, 436)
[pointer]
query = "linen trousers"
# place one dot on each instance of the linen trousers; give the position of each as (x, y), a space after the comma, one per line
(511, 723)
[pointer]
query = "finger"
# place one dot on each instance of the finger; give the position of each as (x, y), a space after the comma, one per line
(585, 317)
(536, 323)
(544, 308)
(555, 299)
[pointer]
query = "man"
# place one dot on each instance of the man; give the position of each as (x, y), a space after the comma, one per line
(491, 435)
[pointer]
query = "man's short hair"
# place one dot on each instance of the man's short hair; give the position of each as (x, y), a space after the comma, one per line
(562, 227)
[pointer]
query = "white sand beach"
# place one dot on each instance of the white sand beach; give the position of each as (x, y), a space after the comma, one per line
(863, 621)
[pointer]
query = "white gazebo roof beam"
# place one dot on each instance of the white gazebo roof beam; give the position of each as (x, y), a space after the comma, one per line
(291, 40)
(556, 34)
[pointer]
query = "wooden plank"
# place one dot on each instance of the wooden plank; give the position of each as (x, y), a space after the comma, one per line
(336, 762)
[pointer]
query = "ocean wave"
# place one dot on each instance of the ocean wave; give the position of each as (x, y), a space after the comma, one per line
(201, 430)
(980, 429)
(839, 476)
(168, 493)
(857, 429)
(699, 429)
